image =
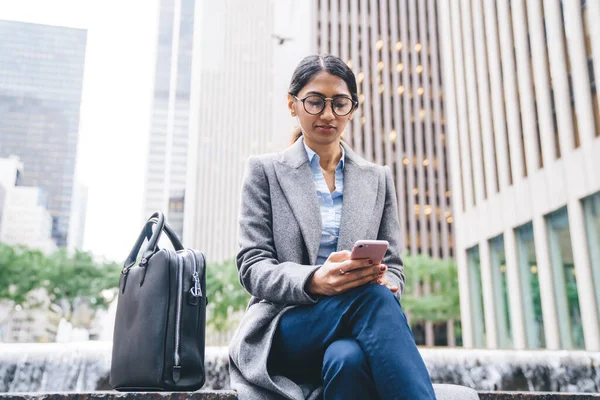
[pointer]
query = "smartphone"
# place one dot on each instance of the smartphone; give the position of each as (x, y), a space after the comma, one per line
(369, 249)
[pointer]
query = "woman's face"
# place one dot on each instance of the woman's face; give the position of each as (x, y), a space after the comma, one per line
(324, 127)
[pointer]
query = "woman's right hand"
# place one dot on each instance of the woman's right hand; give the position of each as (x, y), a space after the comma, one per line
(340, 273)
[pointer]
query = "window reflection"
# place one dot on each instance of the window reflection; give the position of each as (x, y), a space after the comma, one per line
(499, 280)
(565, 281)
(530, 287)
(477, 315)
(591, 209)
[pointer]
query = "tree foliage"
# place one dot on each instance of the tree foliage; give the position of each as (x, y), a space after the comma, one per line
(68, 280)
(442, 303)
(225, 294)
(59, 281)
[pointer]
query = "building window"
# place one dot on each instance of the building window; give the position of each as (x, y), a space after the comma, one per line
(530, 287)
(498, 263)
(591, 209)
(475, 289)
(565, 281)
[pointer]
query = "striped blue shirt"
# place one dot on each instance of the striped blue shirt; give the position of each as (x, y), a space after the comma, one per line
(330, 204)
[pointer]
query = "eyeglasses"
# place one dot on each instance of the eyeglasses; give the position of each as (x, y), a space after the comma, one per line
(340, 105)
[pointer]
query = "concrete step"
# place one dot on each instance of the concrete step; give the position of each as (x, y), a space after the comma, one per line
(537, 396)
(443, 392)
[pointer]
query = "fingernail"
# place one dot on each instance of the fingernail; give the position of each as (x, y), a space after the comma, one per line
(379, 281)
(370, 261)
(383, 267)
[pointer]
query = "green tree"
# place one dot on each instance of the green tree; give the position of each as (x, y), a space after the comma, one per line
(18, 265)
(61, 280)
(443, 303)
(227, 297)
(72, 280)
(225, 294)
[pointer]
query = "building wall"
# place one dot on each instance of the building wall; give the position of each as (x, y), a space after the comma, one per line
(10, 168)
(41, 75)
(524, 142)
(26, 219)
(393, 49)
(239, 87)
(168, 140)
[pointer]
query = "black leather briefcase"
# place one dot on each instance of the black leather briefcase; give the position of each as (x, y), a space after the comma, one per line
(159, 335)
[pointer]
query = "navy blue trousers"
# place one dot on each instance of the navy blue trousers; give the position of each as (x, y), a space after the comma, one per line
(358, 345)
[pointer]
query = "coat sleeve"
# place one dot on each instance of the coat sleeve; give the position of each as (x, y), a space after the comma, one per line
(389, 230)
(259, 271)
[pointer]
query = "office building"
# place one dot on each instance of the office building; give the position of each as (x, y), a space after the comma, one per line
(24, 217)
(393, 49)
(41, 75)
(233, 100)
(524, 142)
(168, 139)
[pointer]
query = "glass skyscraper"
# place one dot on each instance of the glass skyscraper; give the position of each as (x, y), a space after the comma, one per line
(41, 76)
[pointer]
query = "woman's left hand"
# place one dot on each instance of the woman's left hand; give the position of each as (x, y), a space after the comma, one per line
(384, 281)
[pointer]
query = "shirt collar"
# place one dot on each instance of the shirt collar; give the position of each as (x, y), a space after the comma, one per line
(311, 155)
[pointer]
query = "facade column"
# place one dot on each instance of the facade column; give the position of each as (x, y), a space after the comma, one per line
(542, 255)
(510, 90)
(592, 20)
(541, 80)
(579, 71)
(483, 84)
(525, 86)
(558, 71)
(515, 298)
(446, 47)
(497, 94)
(472, 103)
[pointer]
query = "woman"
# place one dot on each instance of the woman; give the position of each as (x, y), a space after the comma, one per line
(320, 324)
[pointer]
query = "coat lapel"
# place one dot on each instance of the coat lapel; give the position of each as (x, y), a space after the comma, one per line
(297, 183)
(361, 183)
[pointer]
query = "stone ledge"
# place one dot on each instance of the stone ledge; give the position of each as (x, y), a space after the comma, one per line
(537, 396)
(231, 395)
(113, 395)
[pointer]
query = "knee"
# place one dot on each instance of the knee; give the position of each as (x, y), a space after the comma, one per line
(375, 294)
(344, 354)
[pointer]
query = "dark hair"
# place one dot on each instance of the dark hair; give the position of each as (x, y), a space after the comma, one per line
(311, 66)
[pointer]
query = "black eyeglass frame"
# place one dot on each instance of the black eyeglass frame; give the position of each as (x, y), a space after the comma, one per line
(330, 99)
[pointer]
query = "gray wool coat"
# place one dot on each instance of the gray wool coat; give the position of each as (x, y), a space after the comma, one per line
(279, 236)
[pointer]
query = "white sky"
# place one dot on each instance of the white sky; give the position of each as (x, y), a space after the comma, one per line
(115, 110)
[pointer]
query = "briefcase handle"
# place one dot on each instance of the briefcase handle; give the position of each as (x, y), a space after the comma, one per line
(157, 219)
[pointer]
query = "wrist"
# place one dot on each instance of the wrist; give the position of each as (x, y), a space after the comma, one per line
(312, 287)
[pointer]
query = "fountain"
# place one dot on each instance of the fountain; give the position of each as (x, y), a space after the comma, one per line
(84, 367)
